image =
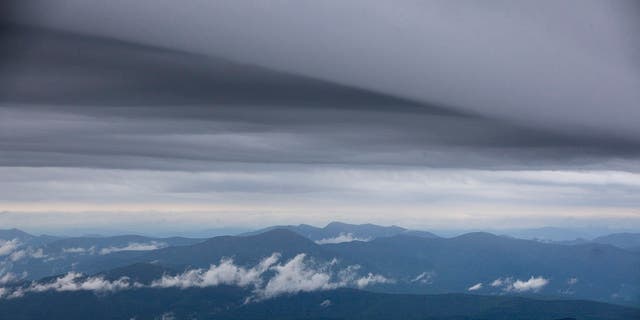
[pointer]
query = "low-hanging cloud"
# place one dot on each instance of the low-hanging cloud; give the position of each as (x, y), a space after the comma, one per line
(69, 283)
(29, 252)
(10, 277)
(14, 250)
(425, 277)
(475, 287)
(299, 274)
(73, 281)
(497, 282)
(371, 279)
(533, 284)
(342, 237)
(134, 246)
(8, 246)
(227, 272)
(79, 250)
(296, 276)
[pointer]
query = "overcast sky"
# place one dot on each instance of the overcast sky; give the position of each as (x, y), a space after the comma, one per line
(427, 114)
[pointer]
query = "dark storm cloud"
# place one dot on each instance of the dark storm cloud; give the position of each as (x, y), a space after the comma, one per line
(278, 112)
(570, 65)
(73, 100)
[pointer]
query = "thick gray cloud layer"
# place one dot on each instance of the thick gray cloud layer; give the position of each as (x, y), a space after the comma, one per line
(413, 105)
(571, 65)
(70, 100)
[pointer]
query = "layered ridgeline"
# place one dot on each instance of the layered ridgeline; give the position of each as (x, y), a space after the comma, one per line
(34, 257)
(265, 264)
(337, 232)
(627, 240)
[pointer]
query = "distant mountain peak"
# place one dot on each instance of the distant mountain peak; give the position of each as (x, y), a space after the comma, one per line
(14, 233)
(479, 235)
(334, 224)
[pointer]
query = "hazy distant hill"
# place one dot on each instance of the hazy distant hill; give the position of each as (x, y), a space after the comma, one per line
(593, 271)
(42, 256)
(622, 240)
(500, 265)
(243, 249)
(10, 234)
(23, 237)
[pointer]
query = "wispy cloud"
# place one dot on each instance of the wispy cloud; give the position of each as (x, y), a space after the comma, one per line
(10, 277)
(371, 279)
(15, 250)
(80, 250)
(134, 246)
(29, 252)
(342, 237)
(425, 277)
(497, 282)
(73, 281)
(8, 246)
(475, 287)
(569, 288)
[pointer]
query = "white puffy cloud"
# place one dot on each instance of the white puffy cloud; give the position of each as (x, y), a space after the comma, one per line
(475, 287)
(342, 237)
(299, 274)
(534, 284)
(225, 273)
(296, 276)
(134, 246)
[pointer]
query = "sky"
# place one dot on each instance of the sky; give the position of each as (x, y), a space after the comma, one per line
(159, 115)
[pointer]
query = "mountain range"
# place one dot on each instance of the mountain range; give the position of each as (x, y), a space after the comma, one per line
(336, 232)
(340, 271)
